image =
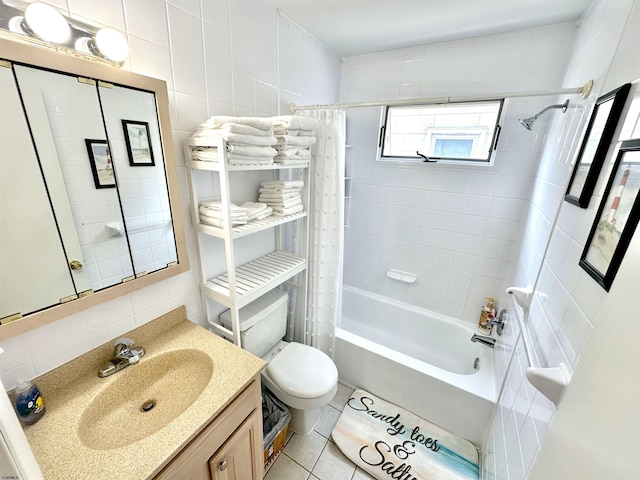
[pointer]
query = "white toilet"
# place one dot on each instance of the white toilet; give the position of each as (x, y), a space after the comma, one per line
(302, 377)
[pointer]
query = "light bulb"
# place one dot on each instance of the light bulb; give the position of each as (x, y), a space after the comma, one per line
(111, 45)
(47, 23)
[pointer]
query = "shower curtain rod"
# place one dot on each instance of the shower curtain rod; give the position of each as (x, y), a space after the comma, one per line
(584, 92)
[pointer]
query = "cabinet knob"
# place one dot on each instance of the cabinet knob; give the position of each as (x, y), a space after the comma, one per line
(224, 464)
(75, 265)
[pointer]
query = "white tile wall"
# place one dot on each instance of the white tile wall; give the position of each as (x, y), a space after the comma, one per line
(457, 228)
(188, 44)
(564, 308)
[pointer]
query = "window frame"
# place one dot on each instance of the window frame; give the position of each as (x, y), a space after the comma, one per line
(384, 117)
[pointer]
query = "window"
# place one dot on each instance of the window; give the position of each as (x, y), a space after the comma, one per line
(460, 132)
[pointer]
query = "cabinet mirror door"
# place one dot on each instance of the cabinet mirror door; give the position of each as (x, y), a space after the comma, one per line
(65, 118)
(131, 122)
(34, 272)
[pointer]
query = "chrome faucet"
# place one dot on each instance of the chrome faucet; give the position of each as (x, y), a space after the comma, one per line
(486, 341)
(123, 356)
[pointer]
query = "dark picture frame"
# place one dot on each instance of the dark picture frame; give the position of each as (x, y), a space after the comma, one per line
(595, 144)
(100, 161)
(617, 217)
(138, 140)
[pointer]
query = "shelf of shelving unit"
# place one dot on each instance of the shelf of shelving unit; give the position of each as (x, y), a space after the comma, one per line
(255, 278)
(241, 285)
(254, 226)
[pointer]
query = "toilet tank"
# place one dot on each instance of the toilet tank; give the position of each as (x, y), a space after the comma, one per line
(263, 322)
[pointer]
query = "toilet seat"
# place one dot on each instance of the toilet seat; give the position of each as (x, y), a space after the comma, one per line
(302, 371)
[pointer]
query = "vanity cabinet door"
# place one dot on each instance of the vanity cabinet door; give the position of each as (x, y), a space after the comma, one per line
(235, 435)
(236, 459)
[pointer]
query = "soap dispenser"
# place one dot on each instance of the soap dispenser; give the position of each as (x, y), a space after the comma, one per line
(29, 402)
(486, 315)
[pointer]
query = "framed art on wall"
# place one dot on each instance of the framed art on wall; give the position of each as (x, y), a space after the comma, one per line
(136, 135)
(617, 217)
(595, 144)
(101, 166)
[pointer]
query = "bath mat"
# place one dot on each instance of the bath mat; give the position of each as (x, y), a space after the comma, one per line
(388, 442)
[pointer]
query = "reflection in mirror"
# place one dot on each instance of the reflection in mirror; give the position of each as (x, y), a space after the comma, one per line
(131, 121)
(34, 273)
(66, 109)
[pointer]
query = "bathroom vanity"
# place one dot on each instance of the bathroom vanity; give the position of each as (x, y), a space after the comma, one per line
(205, 421)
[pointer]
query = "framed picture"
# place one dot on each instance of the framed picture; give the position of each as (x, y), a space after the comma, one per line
(136, 134)
(101, 166)
(616, 219)
(595, 145)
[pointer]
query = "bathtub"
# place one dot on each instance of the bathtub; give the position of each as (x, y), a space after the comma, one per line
(420, 360)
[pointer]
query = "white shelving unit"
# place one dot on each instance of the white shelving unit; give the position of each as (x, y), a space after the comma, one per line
(241, 284)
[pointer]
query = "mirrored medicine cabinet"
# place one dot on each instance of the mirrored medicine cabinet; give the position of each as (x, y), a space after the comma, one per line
(89, 201)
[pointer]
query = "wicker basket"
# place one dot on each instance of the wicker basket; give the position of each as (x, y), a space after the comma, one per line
(275, 438)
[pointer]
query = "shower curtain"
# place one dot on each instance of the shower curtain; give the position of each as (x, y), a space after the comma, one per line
(326, 228)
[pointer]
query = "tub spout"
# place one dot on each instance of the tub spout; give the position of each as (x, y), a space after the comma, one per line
(486, 341)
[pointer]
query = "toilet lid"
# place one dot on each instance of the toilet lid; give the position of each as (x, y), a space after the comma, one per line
(303, 371)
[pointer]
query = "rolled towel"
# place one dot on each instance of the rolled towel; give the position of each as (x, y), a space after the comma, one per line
(294, 122)
(281, 212)
(220, 120)
(280, 184)
(251, 151)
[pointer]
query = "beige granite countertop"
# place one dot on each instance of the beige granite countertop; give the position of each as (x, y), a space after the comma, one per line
(68, 390)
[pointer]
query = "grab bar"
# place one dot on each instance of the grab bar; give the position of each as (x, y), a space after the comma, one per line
(550, 381)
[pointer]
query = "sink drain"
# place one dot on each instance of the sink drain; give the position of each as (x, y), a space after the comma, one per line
(146, 406)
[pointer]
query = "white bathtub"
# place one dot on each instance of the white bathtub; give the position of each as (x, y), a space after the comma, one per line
(417, 359)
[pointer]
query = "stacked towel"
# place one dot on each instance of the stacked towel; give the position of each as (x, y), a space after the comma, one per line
(211, 213)
(295, 136)
(250, 140)
(282, 196)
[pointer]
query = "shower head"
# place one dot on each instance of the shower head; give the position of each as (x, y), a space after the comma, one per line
(528, 122)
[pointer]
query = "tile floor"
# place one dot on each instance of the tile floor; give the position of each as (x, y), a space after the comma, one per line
(315, 456)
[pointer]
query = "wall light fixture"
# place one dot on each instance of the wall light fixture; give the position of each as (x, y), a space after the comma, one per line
(43, 25)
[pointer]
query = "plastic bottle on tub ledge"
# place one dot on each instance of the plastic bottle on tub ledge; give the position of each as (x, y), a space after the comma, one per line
(486, 315)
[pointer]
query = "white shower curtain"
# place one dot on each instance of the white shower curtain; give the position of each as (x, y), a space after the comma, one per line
(326, 228)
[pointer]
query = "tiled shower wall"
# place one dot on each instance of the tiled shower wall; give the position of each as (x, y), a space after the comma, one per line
(565, 306)
(222, 57)
(457, 227)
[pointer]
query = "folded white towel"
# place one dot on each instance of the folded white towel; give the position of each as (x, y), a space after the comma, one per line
(283, 203)
(204, 212)
(294, 152)
(270, 195)
(251, 151)
(291, 161)
(294, 122)
(280, 184)
(220, 120)
(254, 209)
(219, 222)
(296, 141)
(216, 205)
(205, 154)
(246, 129)
(236, 138)
(281, 212)
(248, 160)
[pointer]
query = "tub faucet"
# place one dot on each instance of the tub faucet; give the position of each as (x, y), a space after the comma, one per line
(486, 341)
(123, 356)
